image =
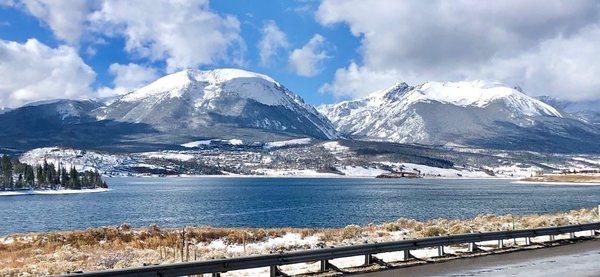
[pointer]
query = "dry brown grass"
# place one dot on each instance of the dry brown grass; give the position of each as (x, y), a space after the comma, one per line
(566, 178)
(123, 246)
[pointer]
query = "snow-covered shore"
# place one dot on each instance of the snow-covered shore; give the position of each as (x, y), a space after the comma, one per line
(51, 192)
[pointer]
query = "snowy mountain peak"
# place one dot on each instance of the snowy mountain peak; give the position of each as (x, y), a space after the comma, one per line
(225, 74)
(196, 100)
(439, 112)
(206, 85)
(481, 94)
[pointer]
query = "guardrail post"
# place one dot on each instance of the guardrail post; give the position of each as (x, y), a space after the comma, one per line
(324, 265)
(472, 247)
(527, 241)
(551, 237)
(441, 252)
(572, 235)
(216, 274)
(407, 255)
(368, 259)
(500, 243)
(274, 271)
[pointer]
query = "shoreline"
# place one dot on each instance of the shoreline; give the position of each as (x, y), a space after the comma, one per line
(551, 183)
(52, 192)
(332, 176)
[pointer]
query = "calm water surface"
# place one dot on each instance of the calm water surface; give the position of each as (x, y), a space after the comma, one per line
(275, 202)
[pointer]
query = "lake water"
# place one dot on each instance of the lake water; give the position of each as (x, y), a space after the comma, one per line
(276, 202)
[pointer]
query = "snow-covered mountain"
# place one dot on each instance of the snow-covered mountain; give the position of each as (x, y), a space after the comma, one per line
(221, 103)
(474, 113)
(588, 111)
(175, 109)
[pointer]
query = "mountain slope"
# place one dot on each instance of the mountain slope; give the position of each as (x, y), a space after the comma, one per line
(64, 123)
(222, 103)
(474, 113)
(588, 111)
(175, 109)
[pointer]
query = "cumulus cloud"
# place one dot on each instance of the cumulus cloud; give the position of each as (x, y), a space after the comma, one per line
(128, 77)
(417, 41)
(66, 18)
(273, 40)
(308, 60)
(32, 71)
(183, 33)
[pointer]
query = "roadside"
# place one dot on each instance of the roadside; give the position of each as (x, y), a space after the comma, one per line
(572, 259)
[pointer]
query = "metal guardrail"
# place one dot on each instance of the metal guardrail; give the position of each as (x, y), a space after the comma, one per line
(326, 254)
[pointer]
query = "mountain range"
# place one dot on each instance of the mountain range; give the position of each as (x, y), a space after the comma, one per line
(477, 113)
(193, 105)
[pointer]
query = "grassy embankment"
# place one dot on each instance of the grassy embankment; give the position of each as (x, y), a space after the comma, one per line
(565, 178)
(123, 246)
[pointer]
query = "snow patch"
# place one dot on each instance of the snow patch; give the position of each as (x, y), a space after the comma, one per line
(51, 192)
(291, 142)
(195, 144)
(359, 171)
(335, 146)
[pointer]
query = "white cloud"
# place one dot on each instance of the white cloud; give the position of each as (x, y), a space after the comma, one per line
(128, 77)
(308, 60)
(355, 81)
(132, 75)
(417, 41)
(66, 18)
(32, 71)
(272, 41)
(184, 33)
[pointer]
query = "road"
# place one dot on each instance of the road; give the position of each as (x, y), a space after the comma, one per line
(578, 259)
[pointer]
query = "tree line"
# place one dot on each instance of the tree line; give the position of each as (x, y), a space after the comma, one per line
(15, 175)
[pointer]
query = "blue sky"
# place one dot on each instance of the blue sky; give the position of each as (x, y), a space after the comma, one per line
(295, 19)
(325, 51)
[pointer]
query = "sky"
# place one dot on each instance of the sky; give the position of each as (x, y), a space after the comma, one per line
(325, 51)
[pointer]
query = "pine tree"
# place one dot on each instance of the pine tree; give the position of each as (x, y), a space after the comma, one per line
(7, 172)
(74, 177)
(39, 175)
(29, 176)
(64, 178)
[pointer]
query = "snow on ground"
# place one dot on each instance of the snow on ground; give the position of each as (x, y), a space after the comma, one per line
(430, 171)
(334, 147)
(235, 142)
(51, 192)
(197, 143)
(80, 159)
(291, 142)
(359, 171)
(595, 161)
(293, 172)
(291, 240)
(515, 170)
(169, 155)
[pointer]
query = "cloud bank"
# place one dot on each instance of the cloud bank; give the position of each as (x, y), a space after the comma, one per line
(543, 46)
(33, 71)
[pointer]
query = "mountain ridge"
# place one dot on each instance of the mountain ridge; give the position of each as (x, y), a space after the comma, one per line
(468, 113)
(175, 109)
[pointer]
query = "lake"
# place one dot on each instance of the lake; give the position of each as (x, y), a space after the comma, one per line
(277, 202)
